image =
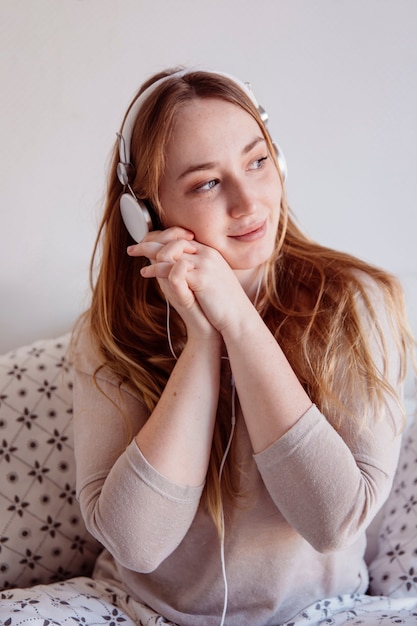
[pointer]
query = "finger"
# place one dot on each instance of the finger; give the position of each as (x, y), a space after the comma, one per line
(174, 250)
(178, 283)
(156, 270)
(159, 238)
(154, 250)
(172, 279)
(169, 234)
(164, 269)
(149, 249)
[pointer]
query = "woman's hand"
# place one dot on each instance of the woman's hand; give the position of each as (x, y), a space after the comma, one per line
(195, 278)
(216, 287)
(177, 437)
(170, 253)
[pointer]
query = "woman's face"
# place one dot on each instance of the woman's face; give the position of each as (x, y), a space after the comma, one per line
(221, 182)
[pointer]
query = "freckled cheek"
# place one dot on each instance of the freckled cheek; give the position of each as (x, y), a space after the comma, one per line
(173, 216)
(205, 222)
(277, 214)
(203, 232)
(274, 202)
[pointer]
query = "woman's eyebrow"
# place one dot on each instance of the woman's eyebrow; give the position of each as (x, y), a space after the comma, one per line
(252, 144)
(198, 167)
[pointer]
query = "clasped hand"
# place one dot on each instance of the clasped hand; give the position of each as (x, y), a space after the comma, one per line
(195, 278)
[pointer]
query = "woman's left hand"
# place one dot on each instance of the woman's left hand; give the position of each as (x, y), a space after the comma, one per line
(188, 270)
(216, 287)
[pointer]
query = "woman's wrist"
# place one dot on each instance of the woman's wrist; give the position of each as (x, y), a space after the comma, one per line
(209, 337)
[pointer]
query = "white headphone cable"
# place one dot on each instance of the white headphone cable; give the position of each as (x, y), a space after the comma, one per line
(229, 443)
(222, 536)
(226, 452)
(171, 347)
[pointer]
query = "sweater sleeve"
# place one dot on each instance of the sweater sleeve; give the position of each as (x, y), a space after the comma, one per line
(135, 512)
(330, 484)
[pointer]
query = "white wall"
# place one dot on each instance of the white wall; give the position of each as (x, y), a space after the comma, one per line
(338, 80)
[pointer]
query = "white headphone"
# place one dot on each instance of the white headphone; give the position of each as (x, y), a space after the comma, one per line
(136, 215)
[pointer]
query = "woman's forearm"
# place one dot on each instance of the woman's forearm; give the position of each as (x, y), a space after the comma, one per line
(176, 439)
(271, 397)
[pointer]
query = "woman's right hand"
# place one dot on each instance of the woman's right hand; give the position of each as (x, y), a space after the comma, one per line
(177, 437)
(169, 252)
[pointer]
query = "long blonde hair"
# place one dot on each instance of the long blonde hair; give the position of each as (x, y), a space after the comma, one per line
(307, 300)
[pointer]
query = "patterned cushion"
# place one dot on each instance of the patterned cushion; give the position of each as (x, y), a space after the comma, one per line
(393, 572)
(42, 535)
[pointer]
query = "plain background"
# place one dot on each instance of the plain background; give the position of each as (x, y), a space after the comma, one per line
(338, 78)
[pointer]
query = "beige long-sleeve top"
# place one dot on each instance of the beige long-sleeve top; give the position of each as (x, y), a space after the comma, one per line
(297, 536)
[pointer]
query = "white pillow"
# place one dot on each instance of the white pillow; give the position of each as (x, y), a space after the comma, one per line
(393, 571)
(42, 535)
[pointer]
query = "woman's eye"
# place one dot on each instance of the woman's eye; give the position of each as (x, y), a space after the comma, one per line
(256, 165)
(208, 185)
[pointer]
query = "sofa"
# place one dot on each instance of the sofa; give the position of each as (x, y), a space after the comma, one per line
(42, 536)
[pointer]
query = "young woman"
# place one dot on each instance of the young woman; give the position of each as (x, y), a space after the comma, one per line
(237, 390)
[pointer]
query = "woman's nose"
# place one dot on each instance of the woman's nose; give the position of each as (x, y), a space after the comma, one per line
(241, 200)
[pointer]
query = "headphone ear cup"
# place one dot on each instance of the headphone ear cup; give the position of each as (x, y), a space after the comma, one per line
(136, 216)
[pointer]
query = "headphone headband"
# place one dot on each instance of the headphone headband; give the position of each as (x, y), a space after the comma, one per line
(138, 215)
(125, 135)
(125, 169)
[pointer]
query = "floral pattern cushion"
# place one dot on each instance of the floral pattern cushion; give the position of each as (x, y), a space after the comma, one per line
(42, 535)
(393, 571)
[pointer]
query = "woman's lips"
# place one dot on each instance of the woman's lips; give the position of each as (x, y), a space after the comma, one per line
(257, 231)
